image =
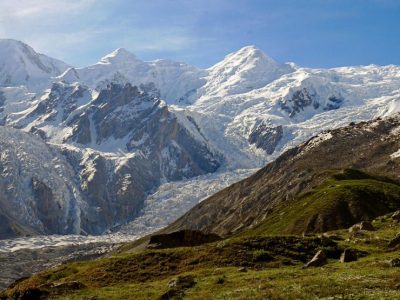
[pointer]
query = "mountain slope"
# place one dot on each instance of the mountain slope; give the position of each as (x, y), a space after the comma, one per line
(369, 146)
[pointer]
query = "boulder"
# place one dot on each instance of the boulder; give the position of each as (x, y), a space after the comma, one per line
(348, 255)
(182, 282)
(363, 226)
(242, 269)
(318, 260)
(32, 294)
(396, 216)
(394, 242)
(326, 240)
(177, 287)
(366, 225)
(395, 262)
(70, 285)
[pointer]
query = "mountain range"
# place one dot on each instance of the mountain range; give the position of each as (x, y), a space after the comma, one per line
(82, 149)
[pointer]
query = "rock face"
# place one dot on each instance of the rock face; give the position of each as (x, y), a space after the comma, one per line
(266, 137)
(184, 238)
(304, 98)
(318, 260)
(348, 255)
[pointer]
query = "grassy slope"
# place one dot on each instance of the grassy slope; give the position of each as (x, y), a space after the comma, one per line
(347, 198)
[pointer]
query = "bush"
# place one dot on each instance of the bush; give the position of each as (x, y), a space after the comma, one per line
(261, 255)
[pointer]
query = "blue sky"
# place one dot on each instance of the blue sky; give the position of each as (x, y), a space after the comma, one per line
(313, 33)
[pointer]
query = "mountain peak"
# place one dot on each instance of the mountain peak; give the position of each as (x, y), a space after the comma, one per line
(119, 55)
(251, 54)
(243, 70)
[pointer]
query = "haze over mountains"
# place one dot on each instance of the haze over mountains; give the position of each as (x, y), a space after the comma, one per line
(83, 148)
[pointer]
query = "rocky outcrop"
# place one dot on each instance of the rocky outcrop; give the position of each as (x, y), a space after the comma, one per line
(299, 100)
(304, 98)
(183, 238)
(266, 137)
(49, 210)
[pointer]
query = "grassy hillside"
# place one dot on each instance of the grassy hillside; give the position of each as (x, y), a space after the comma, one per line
(346, 198)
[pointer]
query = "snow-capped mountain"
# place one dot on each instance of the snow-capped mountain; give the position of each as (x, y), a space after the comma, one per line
(242, 71)
(23, 73)
(177, 82)
(21, 65)
(126, 126)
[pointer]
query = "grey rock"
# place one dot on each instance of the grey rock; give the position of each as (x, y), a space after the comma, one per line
(348, 255)
(318, 260)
